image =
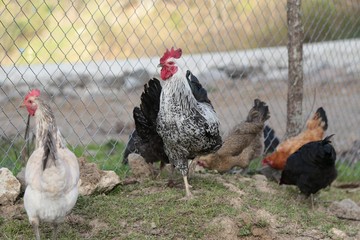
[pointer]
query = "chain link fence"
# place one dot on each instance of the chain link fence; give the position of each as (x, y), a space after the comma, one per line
(91, 59)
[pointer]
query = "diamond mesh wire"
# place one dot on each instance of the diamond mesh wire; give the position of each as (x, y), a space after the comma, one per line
(91, 59)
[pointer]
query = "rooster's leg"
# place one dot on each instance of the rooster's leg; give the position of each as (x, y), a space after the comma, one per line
(55, 230)
(35, 225)
(187, 187)
(312, 201)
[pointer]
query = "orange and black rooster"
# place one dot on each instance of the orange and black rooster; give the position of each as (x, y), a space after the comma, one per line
(315, 129)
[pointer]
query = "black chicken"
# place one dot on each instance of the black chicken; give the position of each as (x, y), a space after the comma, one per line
(145, 140)
(312, 167)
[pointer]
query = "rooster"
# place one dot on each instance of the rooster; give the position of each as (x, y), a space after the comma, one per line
(315, 129)
(145, 140)
(52, 171)
(187, 126)
(244, 143)
(311, 168)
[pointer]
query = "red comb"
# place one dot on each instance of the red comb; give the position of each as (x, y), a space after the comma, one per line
(33, 93)
(172, 53)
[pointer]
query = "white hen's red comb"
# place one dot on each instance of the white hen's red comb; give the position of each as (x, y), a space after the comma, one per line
(172, 53)
(33, 93)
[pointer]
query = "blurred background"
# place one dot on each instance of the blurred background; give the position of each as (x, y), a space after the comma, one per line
(91, 59)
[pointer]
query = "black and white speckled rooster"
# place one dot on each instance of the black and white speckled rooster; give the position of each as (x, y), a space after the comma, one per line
(186, 121)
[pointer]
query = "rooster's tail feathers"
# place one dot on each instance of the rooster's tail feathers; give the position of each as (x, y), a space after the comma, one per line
(145, 116)
(142, 125)
(150, 100)
(319, 119)
(197, 89)
(259, 113)
(50, 152)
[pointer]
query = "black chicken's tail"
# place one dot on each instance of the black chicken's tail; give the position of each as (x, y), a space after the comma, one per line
(329, 150)
(197, 89)
(327, 139)
(259, 112)
(270, 140)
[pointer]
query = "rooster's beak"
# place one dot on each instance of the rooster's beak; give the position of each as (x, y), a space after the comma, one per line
(22, 105)
(160, 65)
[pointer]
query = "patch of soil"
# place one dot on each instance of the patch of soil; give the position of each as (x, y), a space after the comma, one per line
(16, 211)
(228, 228)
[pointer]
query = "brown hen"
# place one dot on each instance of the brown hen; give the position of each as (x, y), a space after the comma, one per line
(244, 143)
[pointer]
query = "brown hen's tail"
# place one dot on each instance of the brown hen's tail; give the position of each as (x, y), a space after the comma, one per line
(319, 119)
(259, 112)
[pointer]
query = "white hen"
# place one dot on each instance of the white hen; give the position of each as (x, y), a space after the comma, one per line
(52, 171)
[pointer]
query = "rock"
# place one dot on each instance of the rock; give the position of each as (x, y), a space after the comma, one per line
(108, 180)
(9, 187)
(346, 209)
(93, 180)
(138, 166)
(89, 177)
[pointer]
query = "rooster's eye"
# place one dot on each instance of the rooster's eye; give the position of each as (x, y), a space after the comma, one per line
(30, 101)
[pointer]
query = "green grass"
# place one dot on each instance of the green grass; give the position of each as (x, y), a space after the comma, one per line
(10, 154)
(107, 156)
(348, 173)
(135, 212)
(151, 210)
